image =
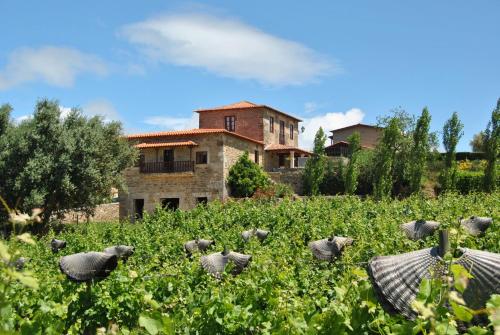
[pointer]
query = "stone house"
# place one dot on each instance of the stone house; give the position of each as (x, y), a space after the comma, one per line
(339, 146)
(179, 169)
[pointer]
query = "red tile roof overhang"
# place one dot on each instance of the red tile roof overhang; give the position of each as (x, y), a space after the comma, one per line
(191, 132)
(166, 144)
(286, 148)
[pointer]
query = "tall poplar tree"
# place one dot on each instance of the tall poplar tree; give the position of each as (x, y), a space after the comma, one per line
(491, 149)
(452, 132)
(314, 170)
(419, 152)
(352, 171)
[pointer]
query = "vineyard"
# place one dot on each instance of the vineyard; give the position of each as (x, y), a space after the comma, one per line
(283, 290)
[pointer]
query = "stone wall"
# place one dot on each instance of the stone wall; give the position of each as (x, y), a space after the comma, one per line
(291, 177)
(273, 137)
(369, 135)
(103, 213)
(206, 181)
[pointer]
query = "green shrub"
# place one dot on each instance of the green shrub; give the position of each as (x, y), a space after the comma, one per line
(245, 177)
(471, 181)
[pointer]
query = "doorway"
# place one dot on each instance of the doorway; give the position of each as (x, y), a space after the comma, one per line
(138, 208)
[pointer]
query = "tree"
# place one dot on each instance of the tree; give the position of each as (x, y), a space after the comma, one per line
(314, 170)
(419, 151)
(352, 171)
(62, 164)
(491, 149)
(452, 132)
(245, 177)
(477, 142)
(4, 118)
(385, 157)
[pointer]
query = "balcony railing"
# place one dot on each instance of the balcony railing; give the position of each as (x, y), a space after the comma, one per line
(282, 138)
(166, 167)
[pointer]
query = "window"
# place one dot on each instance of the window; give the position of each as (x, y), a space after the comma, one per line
(291, 131)
(202, 200)
(230, 123)
(271, 124)
(170, 203)
(282, 132)
(256, 157)
(201, 157)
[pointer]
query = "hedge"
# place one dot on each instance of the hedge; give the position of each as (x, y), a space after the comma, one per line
(471, 181)
(465, 155)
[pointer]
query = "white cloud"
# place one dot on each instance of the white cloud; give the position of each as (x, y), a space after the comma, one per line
(174, 123)
(227, 47)
(102, 108)
(310, 107)
(58, 66)
(328, 121)
(22, 118)
(64, 111)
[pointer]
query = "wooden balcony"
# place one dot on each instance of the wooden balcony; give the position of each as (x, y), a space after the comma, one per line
(166, 167)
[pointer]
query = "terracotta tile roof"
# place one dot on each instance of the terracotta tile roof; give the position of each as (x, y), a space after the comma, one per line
(281, 147)
(190, 132)
(356, 125)
(243, 105)
(165, 144)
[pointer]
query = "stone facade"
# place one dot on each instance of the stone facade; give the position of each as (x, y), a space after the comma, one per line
(369, 134)
(176, 179)
(207, 181)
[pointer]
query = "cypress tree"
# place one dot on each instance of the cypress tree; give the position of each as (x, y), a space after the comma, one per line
(491, 149)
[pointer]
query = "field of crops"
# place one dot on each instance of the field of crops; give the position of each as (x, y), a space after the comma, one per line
(283, 290)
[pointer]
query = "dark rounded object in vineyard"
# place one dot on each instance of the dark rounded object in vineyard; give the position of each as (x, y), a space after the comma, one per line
(20, 262)
(197, 245)
(216, 263)
(329, 248)
(476, 225)
(120, 251)
(240, 261)
(190, 247)
(261, 234)
(396, 279)
(57, 245)
(247, 234)
(485, 268)
(204, 244)
(416, 230)
(85, 266)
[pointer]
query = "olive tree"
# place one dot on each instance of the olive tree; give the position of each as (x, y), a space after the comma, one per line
(60, 164)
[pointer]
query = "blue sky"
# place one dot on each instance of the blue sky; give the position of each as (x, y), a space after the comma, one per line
(151, 63)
